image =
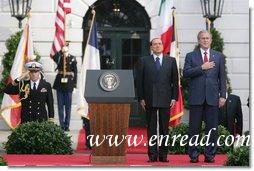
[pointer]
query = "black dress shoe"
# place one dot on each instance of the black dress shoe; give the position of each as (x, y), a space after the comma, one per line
(152, 159)
(88, 147)
(194, 160)
(67, 129)
(163, 159)
(209, 160)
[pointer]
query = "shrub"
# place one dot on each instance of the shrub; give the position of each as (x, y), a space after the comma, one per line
(238, 157)
(38, 138)
(221, 131)
(224, 148)
(182, 129)
(2, 161)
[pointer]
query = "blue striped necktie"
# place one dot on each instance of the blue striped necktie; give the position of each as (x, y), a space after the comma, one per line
(158, 65)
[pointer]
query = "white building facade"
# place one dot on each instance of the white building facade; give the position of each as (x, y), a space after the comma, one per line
(233, 25)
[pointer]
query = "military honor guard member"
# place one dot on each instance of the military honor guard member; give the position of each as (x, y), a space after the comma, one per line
(65, 82)
(34, 93)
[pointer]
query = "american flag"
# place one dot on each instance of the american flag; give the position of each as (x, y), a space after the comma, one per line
(63, 7)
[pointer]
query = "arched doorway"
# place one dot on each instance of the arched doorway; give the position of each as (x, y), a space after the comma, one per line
(123, 33)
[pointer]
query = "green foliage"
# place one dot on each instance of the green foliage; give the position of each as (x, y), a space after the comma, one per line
(2, 161)
(221, 131)
(182, 129)
(218, 45)
(218, 42)
(7, 61)
(238, 157)
(185, 89)
(223, 149)
(38, 138)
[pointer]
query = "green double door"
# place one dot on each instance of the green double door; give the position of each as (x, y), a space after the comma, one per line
(122, 50)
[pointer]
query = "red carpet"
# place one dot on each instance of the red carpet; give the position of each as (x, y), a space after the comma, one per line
(136, 156)
(139, 132)
(83, 160)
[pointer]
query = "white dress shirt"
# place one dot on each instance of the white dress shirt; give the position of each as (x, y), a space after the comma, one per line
(32, 83)
(160, 56)
(203, 55)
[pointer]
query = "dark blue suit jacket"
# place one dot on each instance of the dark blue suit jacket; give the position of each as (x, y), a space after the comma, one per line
(157, 88)
(205, 85)
(231, 115)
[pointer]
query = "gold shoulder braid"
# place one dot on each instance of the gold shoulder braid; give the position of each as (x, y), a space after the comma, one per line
(24, 88)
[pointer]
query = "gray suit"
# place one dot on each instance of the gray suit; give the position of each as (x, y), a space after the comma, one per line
(157, 88)
(205, 88)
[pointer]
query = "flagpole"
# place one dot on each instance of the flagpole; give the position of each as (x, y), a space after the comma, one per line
(65, 27)
(177, 45)
(64, 54)
(82, 72)
(31, 57)
(26, 30)
(176, 35)
(90, 29)
(175, 119)
(208, 23)
(27, 58)
(29, 15)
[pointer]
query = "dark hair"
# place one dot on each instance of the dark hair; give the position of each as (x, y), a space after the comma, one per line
(151, 42)
(67, 43)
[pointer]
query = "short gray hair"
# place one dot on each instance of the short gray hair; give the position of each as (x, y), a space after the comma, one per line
(204, 31)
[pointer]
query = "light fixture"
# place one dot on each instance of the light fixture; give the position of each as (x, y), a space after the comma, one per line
(19, 9)
(116, 7)
(212, 9)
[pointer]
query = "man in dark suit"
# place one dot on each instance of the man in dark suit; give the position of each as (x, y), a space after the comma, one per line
(207, 87)
(231, 115)
(65, 82)
(34, 94)
(157, 83)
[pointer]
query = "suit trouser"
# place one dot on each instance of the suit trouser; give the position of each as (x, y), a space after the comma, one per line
(151, 116)
(64, 100)
(210, 115)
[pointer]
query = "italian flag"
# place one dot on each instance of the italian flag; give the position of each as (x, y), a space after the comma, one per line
(167, 32)
(165, 28)
(11, 106)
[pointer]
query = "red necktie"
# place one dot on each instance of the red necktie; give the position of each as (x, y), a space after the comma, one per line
(205, 57)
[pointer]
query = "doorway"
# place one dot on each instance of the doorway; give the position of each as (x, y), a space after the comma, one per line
(123, 37)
